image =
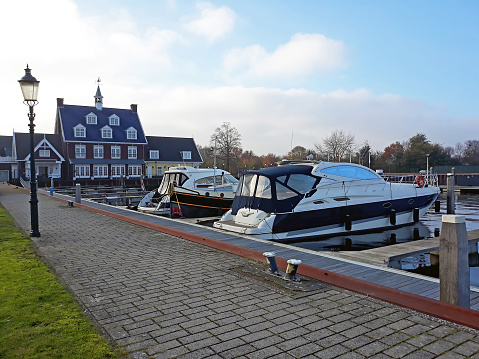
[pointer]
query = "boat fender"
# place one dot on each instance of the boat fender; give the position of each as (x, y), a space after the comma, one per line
(416, 215)
(347, 222)
(207, 194)
(222, 195)
(171, 189)
(420, 181)
(392, 217)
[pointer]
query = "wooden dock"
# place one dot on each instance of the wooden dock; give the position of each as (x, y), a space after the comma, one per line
(392, 255)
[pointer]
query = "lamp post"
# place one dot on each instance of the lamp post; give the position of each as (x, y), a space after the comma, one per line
(29, 86)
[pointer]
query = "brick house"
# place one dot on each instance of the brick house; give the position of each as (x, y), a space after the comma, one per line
(100, 142)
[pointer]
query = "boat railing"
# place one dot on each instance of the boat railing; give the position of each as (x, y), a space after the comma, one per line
(420, 180)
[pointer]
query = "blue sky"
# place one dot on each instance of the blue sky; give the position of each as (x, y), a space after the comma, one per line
(381, 70)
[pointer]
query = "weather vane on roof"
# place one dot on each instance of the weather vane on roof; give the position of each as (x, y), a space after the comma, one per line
(98, 81)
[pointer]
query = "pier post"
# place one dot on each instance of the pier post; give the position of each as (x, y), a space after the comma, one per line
(451, 203)
(453, 261)
(78, 193)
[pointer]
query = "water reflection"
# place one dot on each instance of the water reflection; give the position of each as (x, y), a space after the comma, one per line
(359, 242)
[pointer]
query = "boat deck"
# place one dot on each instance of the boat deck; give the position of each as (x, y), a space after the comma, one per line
(376, 274)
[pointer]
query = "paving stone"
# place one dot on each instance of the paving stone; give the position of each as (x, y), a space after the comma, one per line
(372, 348)
(459, 337)
(357, 342)
(395, 338)
(304, 350)
(439, 346)
(419, 354)
(467, 348)
(422, 340)
(400, 350)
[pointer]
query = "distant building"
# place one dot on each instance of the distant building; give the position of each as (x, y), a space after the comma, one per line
(6, 158)
(100, 142)
(164, 152)
(49, 158)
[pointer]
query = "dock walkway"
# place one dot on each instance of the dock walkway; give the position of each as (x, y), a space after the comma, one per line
(160, 296)
(344, 265)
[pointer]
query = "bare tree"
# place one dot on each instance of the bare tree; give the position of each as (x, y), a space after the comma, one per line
(336, 145)
(228, 143)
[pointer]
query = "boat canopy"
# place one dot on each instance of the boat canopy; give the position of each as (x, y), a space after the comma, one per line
(274, 189)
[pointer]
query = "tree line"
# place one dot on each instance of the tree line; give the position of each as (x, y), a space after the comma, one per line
(409, 156)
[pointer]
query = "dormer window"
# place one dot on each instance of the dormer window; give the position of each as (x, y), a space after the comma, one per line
(91, 119)
(106, 132)
(186, 155)
(154, 154)
(131, 134)
(80, 131)
(114, 120)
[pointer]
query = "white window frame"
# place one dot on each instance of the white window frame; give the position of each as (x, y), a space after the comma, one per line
(91, 119)
(159, 171)
(114, 120)
(98, 151)
(100, 171)
(132, 153)
(131, 133)
(106, 132)
(79, 131)
(44, 153)
(82, 171)
(115, 152)
(134, 170)
(186, 155)
(80, 151)
(117, 171)
(154, 154)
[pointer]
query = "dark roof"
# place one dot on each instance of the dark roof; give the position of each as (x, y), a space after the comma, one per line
(72, 115)
(6, 146)
(171, 147)
(277, 171)
(22, 143)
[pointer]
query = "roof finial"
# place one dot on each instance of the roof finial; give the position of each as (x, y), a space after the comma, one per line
(98, 96)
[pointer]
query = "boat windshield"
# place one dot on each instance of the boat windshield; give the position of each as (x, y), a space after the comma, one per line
(178, 178)
(351, 172)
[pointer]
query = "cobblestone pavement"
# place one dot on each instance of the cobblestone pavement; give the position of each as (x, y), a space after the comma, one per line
(160, 296)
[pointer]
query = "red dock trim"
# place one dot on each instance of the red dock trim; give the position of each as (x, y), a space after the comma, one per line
(435, 308)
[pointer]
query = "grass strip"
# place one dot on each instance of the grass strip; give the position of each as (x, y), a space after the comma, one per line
(38, 317)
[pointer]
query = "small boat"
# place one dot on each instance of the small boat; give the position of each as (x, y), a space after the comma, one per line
(191, 192)
(306, 199)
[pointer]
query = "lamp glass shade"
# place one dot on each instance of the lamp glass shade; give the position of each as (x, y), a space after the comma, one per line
(29, 86)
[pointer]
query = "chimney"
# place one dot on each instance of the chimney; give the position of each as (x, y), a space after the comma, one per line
(59, 102)
(134, 107)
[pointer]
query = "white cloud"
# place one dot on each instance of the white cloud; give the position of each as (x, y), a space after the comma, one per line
(303, 55)
(212, 23)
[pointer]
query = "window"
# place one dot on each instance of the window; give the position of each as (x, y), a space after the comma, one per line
(100, 171)
(351, 172)
(134, 171)
(159, 171)
(44, 153)
(114, 120)
(131, 134)
(154, 154)
(80, 131)
(98, 151)
(186, 155)
(132, 154)
(248, 184)
(82, 171)
(115, 152)
(263, 189)
(80, 151)
(91, 119)
(106, 132)
(117, 170)
(301, 182)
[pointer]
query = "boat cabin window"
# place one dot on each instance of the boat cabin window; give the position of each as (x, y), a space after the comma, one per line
(351, 172)
(178, 178)
(301, 183)
(248, 185)
(263, 189)
(225, 179)
(283, 192)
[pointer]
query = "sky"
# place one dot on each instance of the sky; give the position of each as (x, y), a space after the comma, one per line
(284, 73)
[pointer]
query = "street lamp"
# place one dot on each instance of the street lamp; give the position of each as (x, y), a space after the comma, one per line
(29, 86)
